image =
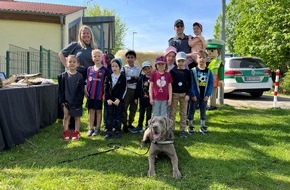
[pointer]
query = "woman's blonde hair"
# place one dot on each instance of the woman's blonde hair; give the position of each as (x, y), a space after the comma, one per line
(81, 42)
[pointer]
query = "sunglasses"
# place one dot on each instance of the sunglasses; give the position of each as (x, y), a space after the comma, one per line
(179, 26)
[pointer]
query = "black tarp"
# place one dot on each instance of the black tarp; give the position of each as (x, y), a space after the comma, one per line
(23, 111)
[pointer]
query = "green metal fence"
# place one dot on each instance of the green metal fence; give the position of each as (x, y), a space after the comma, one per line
(30, 61)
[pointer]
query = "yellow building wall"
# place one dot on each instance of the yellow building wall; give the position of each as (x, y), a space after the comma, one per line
(26, 34)
(29, 34)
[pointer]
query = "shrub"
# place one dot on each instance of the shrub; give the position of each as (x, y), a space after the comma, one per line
(285, 83)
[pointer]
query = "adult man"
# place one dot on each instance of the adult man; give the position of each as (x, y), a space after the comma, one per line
(180, 40)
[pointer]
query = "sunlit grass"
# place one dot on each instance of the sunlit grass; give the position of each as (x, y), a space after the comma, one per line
(245, 149)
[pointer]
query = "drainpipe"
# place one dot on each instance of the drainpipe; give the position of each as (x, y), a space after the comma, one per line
(62, 18)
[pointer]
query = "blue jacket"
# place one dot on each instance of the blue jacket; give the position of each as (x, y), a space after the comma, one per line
(195, 91)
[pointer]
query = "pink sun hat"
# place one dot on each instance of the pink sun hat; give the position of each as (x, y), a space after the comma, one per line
(170, 49)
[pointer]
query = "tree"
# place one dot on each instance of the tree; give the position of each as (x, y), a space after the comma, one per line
(259, 28)
(120, 27)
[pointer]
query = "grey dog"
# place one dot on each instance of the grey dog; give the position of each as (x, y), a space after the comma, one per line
(161, 136)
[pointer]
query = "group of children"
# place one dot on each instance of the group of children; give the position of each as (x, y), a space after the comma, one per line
(158, 92)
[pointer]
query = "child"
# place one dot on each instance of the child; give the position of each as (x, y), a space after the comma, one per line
(181, 89)
(201, 89)
(196, 43)
(71, 95)
(115, 90)
(160, 89)
(108, 59)
(142, 93)
(132, 73)
(94, 91)
(170, 54)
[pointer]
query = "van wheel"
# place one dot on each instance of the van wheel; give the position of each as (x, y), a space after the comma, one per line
(256, 94)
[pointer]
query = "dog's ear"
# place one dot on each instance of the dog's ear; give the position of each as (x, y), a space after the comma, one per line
(150, 121)
(169, 123)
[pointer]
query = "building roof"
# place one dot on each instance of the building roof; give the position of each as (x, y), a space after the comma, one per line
(37, 8)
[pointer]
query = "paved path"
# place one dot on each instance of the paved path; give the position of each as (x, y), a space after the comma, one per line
(265, 101)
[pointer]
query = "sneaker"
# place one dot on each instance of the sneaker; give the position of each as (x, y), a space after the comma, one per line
(108, 136)
(190, 129)
(66, 135)
(203, 129)
(76, 135)
(90, 132)
(136, 129)
(96, 132)
(117, 135)
(211, 108)
(183, 134)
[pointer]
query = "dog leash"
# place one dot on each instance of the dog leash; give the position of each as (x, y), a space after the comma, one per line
(113, 146)
(117, 145)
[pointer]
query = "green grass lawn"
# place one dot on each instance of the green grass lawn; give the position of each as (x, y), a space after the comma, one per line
(245, 149)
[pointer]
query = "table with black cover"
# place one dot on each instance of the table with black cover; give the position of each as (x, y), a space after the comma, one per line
(24, 110)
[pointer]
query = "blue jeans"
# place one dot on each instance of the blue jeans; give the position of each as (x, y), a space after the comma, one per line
(192, 106)
(160, 108)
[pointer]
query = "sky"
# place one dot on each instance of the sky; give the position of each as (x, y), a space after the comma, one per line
(152, 21)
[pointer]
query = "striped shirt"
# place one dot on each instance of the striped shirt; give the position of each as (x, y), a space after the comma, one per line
(95, 82)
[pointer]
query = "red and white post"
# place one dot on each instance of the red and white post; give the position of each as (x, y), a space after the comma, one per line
(276, 87)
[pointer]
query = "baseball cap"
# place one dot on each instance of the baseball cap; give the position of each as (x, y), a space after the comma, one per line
(146, 64)
(170, 49)
(160, 59)
(178, 21)
(180, 56)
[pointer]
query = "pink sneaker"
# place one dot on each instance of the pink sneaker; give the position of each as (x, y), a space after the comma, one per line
(76, 135)
(66, 135)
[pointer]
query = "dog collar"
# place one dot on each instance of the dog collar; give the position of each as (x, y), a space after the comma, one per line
(163, 142)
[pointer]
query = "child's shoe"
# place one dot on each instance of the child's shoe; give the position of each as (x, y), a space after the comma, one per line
(96, 132)
(108, 136)
(76, 135)
(136, 129)
(203, 129)
(66, 135)
(190, 129)
(183, 134)
(90, 132)
(117, 135)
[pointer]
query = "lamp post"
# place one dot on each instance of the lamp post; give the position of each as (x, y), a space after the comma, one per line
(133, 40)
(223, 36)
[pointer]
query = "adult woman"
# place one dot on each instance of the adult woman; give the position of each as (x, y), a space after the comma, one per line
(82, 49)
